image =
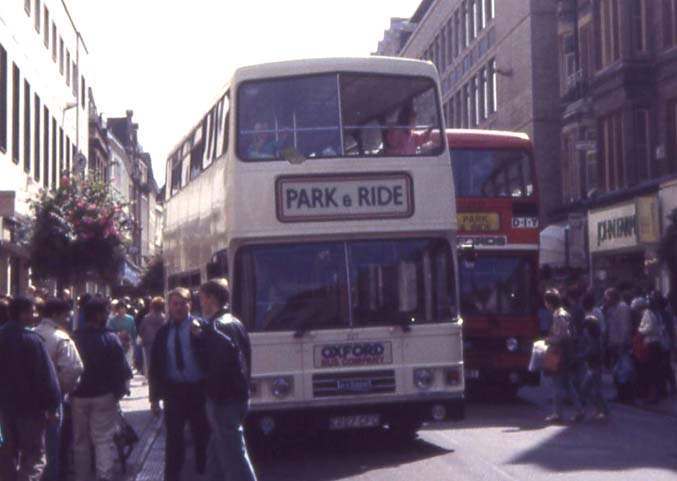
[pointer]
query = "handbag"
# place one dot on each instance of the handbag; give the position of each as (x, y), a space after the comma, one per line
(125, 438)
(552, 360)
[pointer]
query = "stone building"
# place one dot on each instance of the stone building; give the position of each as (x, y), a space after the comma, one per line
(43, 118)
(497, 71)
(618, 91)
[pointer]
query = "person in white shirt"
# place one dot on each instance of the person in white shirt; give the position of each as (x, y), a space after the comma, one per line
(68, 366)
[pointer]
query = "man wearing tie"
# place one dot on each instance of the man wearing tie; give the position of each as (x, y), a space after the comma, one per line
(176, 378)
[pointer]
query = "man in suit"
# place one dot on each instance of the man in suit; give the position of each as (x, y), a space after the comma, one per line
(176, 378)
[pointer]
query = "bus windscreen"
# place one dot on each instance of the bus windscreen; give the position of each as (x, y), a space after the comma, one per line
(338, 115)
(497, 285)
(492, 173)
(344, 284)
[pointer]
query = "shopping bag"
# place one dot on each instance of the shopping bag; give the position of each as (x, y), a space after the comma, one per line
(537, 354)
(552, 360)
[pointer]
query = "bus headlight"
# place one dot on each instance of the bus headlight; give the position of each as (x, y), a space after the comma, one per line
(423, 378)
(281, 387)
(511, 344)
(453, 376)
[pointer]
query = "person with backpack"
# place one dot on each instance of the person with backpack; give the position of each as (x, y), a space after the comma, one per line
(225, 355)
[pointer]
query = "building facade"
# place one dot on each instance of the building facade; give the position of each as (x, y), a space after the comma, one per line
(498, 71)
(43, 118)
(395, 37)
(618, 91)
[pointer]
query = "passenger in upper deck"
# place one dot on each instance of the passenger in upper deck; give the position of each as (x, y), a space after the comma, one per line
(264, 145)
(400, 139)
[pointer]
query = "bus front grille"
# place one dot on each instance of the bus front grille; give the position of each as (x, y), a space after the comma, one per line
(353, 383)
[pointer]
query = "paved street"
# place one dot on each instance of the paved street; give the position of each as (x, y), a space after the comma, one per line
(501, 441)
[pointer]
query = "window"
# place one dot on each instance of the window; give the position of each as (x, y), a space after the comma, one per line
(643, 145)
(474, 13)
(68, 68)
(176, 172)
(481, 17)
(54, 159)
(613, 169)
(450, 40)
(61, 57)
(16, 108)
(379, 116)
(609, 19)
(53, 42)
(76, 89)
(493, 99)
(458, 35)
(476, 100)
(83, 92)
(38, 23)
(61, 154)
(3, 99)
(497, 285)
(45, 147)
(198, 150)
(671, 166)
(492, 173)
(639, 23)
(27, 7)
(467, 21)
(489, 9)
(45, 32)
(68, 155)
(295, 287)
(484, 86)
(27, 127)
(36, 138)
(443, 50)
(669, 15)
(467, 97)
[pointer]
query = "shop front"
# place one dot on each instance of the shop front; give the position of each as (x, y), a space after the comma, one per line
(13, 254)
(668, 204)
(623, 240)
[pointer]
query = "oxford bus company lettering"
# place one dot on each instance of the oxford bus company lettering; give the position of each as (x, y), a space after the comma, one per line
(316, 198)
(360, 354)
(618, 228)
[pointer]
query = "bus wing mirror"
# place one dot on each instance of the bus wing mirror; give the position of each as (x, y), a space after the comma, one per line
(467, 254)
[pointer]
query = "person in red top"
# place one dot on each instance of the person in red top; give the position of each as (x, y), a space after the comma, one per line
(400, 139)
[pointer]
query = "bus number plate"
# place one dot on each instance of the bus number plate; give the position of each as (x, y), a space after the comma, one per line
(354, 422)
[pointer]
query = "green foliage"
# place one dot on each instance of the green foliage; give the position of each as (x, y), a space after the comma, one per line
(80, 229)
(153, 280)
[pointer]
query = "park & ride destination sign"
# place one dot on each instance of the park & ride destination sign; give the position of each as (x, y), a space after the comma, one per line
(312, 198)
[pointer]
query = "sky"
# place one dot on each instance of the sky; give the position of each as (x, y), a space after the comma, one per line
(169, 60)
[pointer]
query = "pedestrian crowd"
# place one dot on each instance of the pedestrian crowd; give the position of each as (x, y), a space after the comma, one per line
(65, 366)
(630, 335)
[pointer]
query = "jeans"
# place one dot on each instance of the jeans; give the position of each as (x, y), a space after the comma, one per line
(563, 383)
(53, 444)
(592, 389)
(227, 457)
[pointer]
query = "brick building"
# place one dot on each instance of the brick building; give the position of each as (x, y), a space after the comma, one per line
(497, 71)
(618, 90)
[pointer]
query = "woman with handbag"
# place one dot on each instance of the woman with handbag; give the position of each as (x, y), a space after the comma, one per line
(561, 343)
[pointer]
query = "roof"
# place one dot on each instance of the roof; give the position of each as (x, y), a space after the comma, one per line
(475, 138)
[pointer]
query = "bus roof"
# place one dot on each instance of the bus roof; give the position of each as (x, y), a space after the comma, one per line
(375, 64)
(476, 138)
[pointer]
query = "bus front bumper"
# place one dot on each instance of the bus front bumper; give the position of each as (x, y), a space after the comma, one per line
(369, 415)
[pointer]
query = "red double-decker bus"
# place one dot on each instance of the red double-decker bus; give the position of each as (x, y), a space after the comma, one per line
(497, 206)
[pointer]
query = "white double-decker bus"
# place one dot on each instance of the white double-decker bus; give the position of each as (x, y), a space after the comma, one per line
(323, 190)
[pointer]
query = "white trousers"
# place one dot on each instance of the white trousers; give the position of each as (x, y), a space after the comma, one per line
(94, 423)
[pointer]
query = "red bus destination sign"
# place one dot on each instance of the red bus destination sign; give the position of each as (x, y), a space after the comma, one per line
(344, 197)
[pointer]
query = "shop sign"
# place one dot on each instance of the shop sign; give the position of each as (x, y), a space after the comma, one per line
(647, 220)
(353, 355)
(614, 228)
(478, 222)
